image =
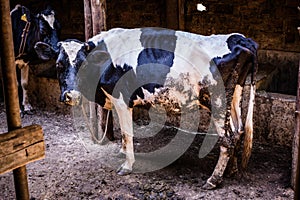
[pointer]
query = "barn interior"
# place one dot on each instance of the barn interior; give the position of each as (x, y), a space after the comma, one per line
(272, 24)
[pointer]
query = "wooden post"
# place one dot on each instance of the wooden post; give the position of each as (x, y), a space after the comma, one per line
(95, 22)
(103, 15)
(88, 19)
(172, 14)
(181, 14)
(11, 92)
(297, 139)
(94, 17)
(95, 7)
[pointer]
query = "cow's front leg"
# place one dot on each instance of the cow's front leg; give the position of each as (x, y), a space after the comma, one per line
(24, 84)
(125, 120)
(127, 147)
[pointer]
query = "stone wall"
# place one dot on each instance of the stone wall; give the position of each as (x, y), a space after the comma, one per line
(134, 14)
(273, 24)
(274, 118)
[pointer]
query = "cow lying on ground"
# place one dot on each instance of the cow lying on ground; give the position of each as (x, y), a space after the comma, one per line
(129, 67)
(35, 39)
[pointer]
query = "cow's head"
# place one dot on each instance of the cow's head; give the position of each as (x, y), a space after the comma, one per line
(48, 34)
(72, 55)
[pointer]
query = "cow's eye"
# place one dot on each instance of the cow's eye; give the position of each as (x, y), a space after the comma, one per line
(43, 32)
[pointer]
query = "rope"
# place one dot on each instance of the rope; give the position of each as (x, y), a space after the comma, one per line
(24, 39)
(91, 128)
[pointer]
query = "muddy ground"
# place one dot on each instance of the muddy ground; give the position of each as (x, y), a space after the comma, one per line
(76, 168)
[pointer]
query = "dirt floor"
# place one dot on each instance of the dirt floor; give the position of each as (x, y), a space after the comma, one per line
(76, 168)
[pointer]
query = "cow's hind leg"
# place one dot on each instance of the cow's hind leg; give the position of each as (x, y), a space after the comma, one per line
(218, 172)
(237, 128)
(24, 84)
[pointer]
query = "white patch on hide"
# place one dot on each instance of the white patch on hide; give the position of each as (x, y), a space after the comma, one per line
(192, 58)
(50, 19)
(213, 45)
(125, 47)
(249, 118)
(71, 48)
(106, 34)
(236, 113)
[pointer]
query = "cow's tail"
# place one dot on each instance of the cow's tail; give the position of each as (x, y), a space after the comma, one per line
(249, 119)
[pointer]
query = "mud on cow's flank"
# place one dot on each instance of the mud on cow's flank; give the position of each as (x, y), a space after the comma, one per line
(123, 68)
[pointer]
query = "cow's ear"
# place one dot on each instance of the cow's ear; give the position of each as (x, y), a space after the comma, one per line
(89, 46)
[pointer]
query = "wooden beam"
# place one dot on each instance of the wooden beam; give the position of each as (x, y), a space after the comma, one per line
(103, 15)
(11, 91)
(20, 147)
(172, 14)
(96, 16)
(181, 14)
(87, 19)
(297, 141)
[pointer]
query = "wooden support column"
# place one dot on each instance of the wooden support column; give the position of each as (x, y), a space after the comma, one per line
(87, 19)
(11, 92)
(95, 22)
(172, 14)
(296, 143)
(296, 147)
(181, 15)
(19, 146)
(94, 17)
(103, 15)
(96, 12)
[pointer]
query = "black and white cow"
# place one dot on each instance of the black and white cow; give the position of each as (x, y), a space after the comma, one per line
(168, 67)
(35, 39)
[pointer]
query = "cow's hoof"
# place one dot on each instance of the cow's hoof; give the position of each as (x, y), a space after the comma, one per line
(208, 186)
(122, 171)
(244, 174)
(29, 112)
(232, 173)
(100, 141)
(120, 155)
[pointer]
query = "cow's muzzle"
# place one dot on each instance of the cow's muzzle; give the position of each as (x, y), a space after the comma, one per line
(72, 98)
